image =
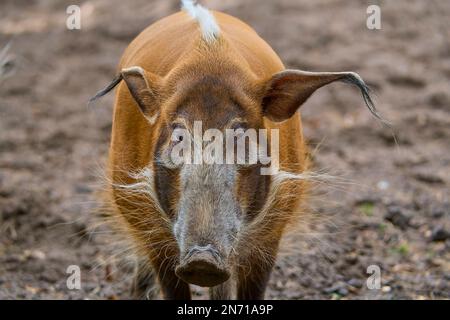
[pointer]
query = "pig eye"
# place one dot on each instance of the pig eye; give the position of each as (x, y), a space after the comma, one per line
(239, 126)
(177, 135)
(177, 132)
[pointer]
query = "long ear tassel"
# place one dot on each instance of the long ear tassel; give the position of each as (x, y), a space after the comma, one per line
(355, 79)
(107, 89)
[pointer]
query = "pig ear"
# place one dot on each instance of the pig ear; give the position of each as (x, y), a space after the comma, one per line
(143, 87)
(287, 90)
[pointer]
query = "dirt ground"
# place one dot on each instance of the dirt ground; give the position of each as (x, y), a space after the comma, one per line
(388, 206)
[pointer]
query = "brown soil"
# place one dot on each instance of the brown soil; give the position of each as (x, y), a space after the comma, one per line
(389, 207)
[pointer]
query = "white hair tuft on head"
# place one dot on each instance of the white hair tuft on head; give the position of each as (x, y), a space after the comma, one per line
(208, 24)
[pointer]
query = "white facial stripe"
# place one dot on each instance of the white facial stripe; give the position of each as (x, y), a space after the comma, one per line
(153, 118)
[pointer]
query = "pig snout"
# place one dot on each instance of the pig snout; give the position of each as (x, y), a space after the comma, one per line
(203, 266)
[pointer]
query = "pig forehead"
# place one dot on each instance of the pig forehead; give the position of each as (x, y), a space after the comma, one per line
(214, 111)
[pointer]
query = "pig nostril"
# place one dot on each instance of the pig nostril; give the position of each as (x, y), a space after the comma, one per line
(198, 249)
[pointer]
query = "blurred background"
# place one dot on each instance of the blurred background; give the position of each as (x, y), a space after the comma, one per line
(389, 205)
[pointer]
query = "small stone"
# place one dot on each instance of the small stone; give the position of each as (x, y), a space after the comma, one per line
(279, 285)
(440, 211)
(34, 254)
(351, 258)
(343, 291)
(397, 217)
(32, 290)
(335, 288)
(386, 289)
(382, 185)
(439, 234)
(428, 177)
(355, 283)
